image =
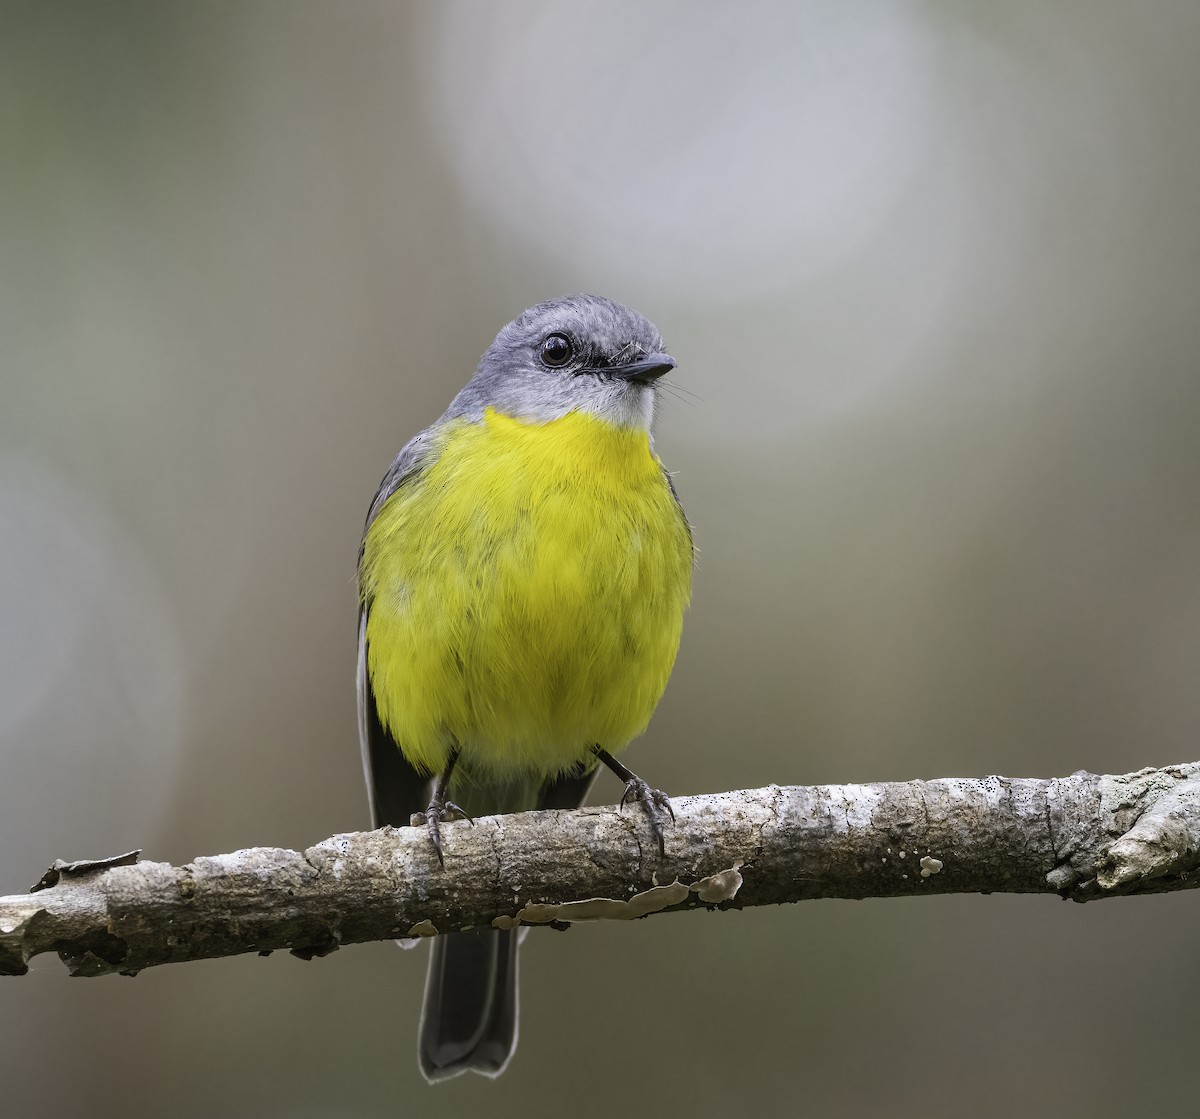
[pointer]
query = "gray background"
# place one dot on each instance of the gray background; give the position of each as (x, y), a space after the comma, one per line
(931, 273)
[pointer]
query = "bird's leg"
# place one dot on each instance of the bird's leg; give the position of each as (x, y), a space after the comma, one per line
(440, 810)
(655, 802)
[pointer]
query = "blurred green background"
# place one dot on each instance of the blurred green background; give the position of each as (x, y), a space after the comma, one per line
(932, 275)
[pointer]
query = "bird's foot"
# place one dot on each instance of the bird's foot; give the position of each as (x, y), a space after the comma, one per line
(440, 811)
(655, 803)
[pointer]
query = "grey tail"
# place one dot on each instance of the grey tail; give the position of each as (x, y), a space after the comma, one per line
(469, 1020)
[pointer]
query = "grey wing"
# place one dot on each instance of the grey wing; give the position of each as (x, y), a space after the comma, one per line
(682, 512)
(414, 456)
(394, 788)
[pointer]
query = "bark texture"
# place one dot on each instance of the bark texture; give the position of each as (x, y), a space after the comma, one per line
(1083, 837)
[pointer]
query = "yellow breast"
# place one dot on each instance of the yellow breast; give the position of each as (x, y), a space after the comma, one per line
(526, 595)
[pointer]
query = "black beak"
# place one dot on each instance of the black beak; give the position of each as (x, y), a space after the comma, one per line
(644, 370)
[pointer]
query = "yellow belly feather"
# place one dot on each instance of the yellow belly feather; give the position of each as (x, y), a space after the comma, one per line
(526, 595)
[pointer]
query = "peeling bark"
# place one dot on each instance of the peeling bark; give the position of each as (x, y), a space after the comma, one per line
(1082, 837)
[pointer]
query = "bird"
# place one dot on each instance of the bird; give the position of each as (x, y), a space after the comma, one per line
(523, 576)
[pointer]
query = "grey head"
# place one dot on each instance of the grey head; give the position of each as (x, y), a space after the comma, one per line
(580, 353)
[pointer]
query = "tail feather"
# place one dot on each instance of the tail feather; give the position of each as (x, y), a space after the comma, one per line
(469, 1020)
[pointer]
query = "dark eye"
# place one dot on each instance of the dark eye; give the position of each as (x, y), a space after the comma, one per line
(557, 350)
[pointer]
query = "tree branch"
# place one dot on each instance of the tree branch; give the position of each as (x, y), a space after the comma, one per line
(1083, 837)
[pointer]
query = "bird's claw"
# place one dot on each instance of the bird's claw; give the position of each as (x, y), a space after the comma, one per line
(439, 812)
(656, 804)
